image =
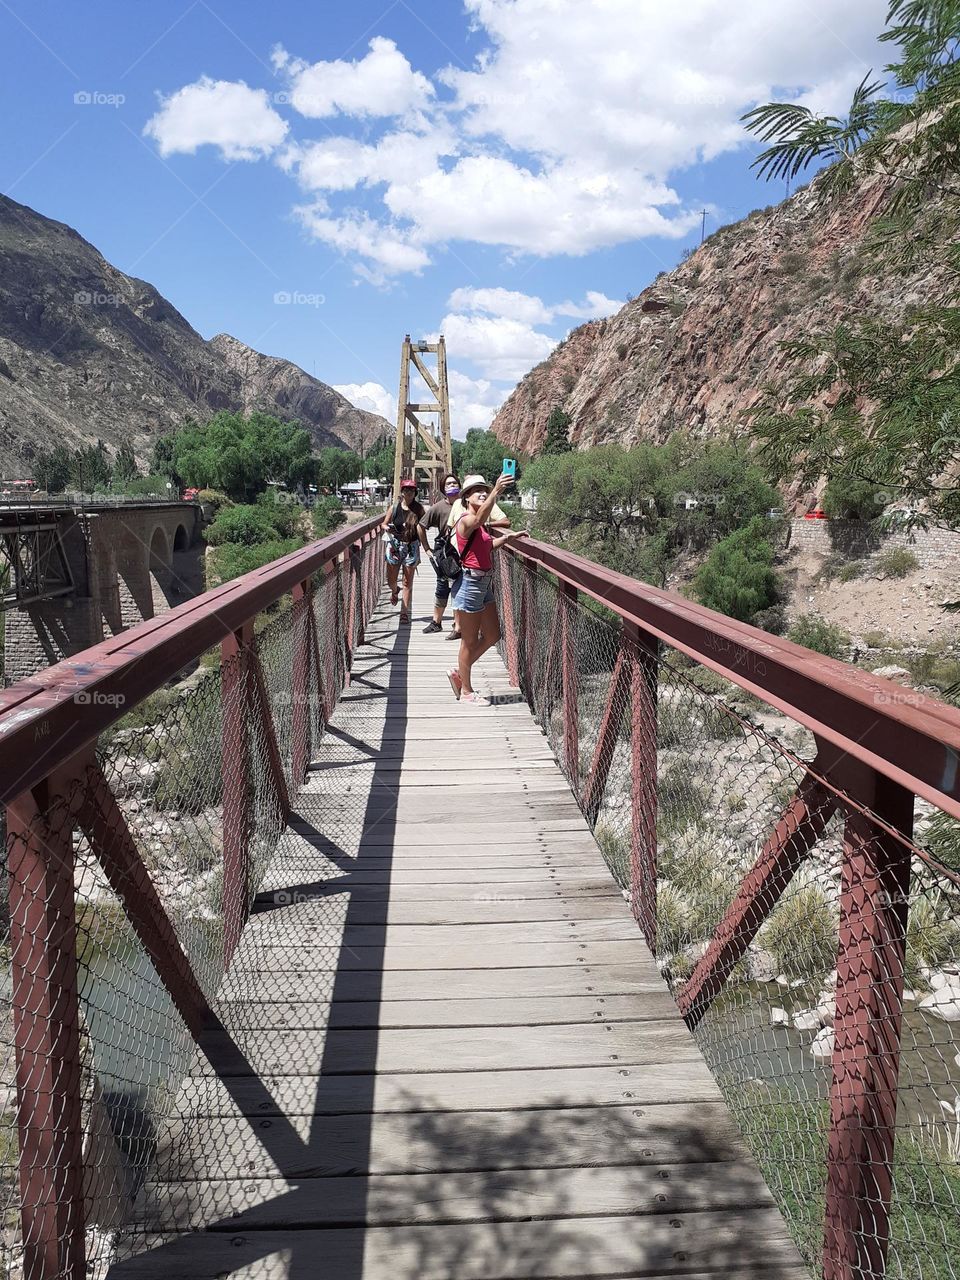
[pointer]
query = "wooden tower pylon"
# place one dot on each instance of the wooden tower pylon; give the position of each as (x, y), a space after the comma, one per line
(424, 449)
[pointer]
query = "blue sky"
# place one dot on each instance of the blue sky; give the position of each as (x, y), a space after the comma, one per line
(319, 179)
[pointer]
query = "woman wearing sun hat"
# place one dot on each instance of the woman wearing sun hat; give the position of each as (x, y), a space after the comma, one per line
(403, 536)
(473, 590)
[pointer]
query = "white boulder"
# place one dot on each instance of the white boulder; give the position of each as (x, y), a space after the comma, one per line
(779, 1018)
(808, 1020)
(943, 1003)
(822, 1043)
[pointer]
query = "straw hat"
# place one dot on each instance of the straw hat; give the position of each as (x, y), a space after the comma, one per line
(473, 482)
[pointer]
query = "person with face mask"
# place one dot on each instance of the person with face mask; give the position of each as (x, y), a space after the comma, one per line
(437, 517)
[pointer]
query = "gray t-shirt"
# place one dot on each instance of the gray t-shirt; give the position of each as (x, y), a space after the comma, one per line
(437, 515)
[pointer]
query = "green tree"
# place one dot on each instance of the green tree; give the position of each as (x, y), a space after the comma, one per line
(738, 578)
(482, 454)
(125, 465)
(557, 439)
(240, 455)
(243, 524)
(871, 401)
(51, 468)
(335, 467)
(164, 456)
(90, 468)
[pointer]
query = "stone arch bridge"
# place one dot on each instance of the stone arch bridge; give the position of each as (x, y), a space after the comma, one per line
(78, 574)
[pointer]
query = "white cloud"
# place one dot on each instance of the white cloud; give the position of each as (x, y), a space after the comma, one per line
(382, 83)
(389, 248)
(220, 113)
(501, 302)
(502, 349)
(339, 163)
(530, 309)
(562, 138)
(372, 396)
(473, 402)
(633, 82)
(594, 306)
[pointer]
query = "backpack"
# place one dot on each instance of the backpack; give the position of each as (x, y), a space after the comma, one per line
(446, 558)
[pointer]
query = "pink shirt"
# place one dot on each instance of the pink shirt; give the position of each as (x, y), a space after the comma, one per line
(480, 555)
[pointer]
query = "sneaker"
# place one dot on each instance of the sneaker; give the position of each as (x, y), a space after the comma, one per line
(453, 635)
(474, 700)
(432, 628)
(456, 684)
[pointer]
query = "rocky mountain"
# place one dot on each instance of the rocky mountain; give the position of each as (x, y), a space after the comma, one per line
(87, 351)
(693, 350)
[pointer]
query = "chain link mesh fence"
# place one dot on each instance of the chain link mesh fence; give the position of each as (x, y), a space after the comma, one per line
(182, 805)
(727, 767)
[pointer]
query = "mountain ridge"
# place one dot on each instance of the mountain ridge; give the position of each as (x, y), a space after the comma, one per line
(88, 352)
(694, 349)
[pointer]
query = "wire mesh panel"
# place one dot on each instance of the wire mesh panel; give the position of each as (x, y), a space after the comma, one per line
(127, 879)
(796, 910)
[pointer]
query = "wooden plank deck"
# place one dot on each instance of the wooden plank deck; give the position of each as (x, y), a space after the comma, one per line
(447, 1052)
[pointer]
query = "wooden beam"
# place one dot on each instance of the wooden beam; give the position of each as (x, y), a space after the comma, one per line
(424, 372)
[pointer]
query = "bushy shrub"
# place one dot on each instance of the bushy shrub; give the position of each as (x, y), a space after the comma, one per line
(328, 514)
(245, 525)
(802, 933)
(738, 578)
(897, 562)
(816, 633)
(849, 498)
(232, 559)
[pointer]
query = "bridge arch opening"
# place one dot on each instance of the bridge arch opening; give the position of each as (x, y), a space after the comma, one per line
(160, 571)
(181, 539)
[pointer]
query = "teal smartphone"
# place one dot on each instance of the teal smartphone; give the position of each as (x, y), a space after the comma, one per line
(509, 466)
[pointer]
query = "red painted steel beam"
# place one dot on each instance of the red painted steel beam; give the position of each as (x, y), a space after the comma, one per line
(237, 698)
(874, 897)
(45, 720)
(786, 847)
(571, 685)
(301, 718)
(912, 739)
(46, 1034)
(262, 706)
(102, 822)
(643, 651)
(509, 625)
(617, 698)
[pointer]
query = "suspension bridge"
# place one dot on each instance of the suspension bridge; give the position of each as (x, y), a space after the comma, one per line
(643, 970)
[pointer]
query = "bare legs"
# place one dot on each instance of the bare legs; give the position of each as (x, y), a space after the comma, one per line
(393, 572)
(408, 572)
(479, 632)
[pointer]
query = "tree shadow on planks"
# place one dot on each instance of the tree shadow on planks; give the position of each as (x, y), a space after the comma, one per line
(290, 953)
(616, 1190)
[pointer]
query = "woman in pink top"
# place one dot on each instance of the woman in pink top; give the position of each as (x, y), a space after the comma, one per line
(473, 590)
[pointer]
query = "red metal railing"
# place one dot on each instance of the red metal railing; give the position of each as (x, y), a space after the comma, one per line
(135, 843)
(765, 809)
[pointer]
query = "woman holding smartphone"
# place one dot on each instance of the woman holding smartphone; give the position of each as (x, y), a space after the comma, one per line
(473, 591)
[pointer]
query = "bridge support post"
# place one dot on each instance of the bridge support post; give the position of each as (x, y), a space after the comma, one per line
(644, 650)
(46, 1024)
(570, 677)
(874, 897)
(304, 648)
(528, 609)
(784, 850)
(509, 620)
(237, 693)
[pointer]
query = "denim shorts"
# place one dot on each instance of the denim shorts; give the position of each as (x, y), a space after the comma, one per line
(444, 585)
(405, 553)
(472, 595)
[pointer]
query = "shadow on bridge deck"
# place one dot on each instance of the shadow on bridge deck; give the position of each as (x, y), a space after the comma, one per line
(445, 1051)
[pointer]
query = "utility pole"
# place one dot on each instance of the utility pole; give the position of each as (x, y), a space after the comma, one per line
(423, 449)
(703, 225)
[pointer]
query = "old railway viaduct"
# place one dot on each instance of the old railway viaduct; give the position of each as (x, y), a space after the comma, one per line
(80, 572)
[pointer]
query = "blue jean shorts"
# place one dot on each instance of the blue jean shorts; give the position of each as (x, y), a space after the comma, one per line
(472, 594)
(405, 553)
